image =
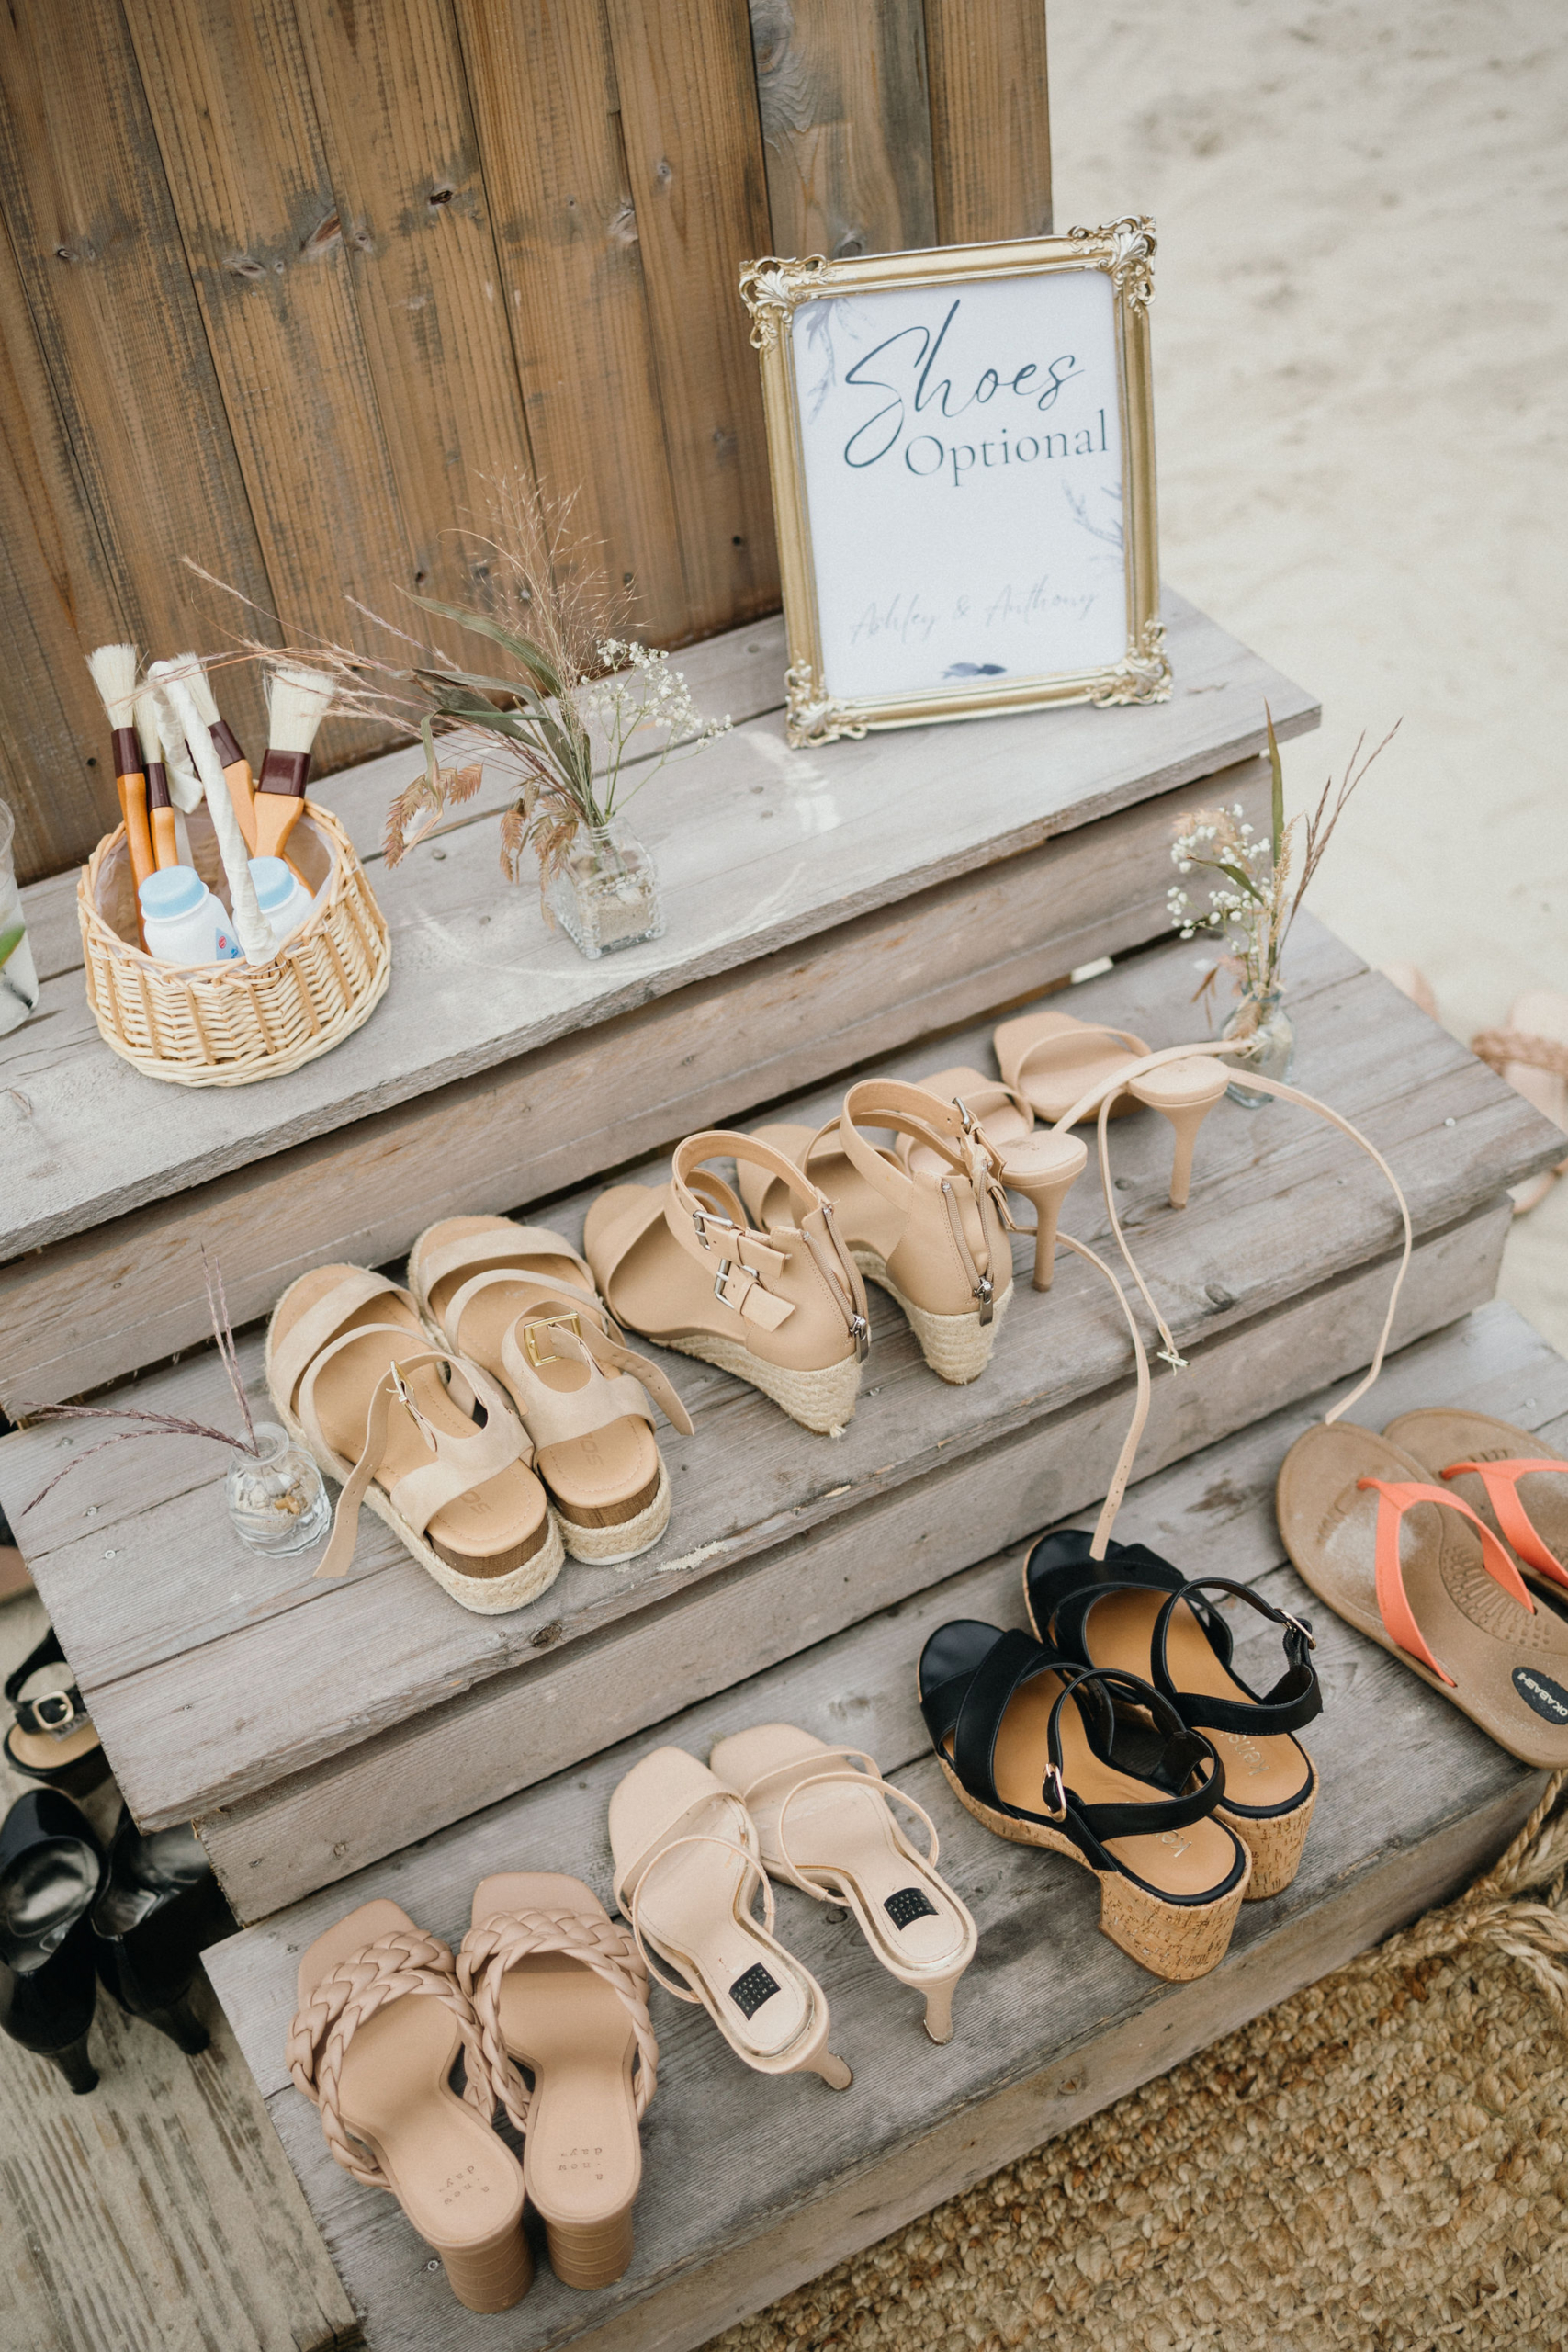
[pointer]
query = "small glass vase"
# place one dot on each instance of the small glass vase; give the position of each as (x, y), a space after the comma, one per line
(277, 1503)
(606, 894)
(1261, 1016)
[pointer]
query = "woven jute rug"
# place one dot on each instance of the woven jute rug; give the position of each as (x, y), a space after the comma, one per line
(1380, 2162)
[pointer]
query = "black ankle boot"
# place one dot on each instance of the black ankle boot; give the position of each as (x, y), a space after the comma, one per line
(51, 1868)
(160, 1909)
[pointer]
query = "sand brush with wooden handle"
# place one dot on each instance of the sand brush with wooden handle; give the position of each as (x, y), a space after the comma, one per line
(159, 805)
(298, 701)
(255, 931)
(236, 767)
(114, 674)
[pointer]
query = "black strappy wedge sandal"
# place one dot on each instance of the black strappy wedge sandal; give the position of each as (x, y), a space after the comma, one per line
(1096, 1764)
(1134, 1611)
(52, 1739)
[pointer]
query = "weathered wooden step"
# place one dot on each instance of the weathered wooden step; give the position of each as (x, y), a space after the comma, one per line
(750, 2185)
(823, 907)
(311, 1726)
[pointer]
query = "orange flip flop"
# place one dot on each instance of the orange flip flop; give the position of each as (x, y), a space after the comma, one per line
(1485, 1461)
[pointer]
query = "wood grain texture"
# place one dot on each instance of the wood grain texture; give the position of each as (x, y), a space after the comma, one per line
(694, 148)
(751, 2185)
(127, 1293)
(991, 121)
(846, 125)
(758, 847)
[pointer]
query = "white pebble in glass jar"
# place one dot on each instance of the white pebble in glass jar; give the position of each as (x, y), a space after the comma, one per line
(277, 1503)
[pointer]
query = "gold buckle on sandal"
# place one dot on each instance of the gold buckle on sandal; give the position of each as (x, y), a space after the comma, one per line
(404, 1396)
(1054, 1781)
(1296, 1626)
(548, 1323)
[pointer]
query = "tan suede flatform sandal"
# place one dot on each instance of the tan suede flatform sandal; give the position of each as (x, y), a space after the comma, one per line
(1485, 1461)
(559, 1989)
(1057, 1063)
(932, 1233)
(380, 2022)
(356, 1382)
(827, 1826)
(519, 1300)
(784, 1309)
(687, 1872)
(1042, 1166)
(1412, 1566)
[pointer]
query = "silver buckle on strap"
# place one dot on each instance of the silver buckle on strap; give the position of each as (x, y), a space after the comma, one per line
(728, 1266)
(701, 1219)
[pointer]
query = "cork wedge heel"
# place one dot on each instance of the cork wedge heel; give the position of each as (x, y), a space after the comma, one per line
(559, 1989)
(380, 2022)
(1132, 1611)
(1097, 1765)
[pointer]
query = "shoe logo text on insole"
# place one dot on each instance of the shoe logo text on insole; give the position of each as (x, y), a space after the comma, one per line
(1537, 1690)
(750, 1992)
(463, 2183)
(908, 1906)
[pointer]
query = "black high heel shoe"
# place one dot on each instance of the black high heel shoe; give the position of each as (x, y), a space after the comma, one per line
(160, 1909)
(51, 1868)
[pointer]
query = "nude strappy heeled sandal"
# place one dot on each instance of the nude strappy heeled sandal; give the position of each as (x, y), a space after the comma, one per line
(784, 1309)
(559, 1989)
(380, 2022)
(1485, 1461)
(1098, 1766)
(1057, 1063)
(687, 1870)
(936, 1241)
(356, 1382)
(521, 1302)
(827, 1828)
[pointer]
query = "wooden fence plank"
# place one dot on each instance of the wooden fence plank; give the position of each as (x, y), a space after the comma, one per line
(694, 151)
(990, 123)
(236, 124)
(846, 125)
(572, 266)
(100, 258)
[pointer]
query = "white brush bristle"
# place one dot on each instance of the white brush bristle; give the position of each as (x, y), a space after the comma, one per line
(148, 732)
(114, 674)
(195, 677)
(298, 701)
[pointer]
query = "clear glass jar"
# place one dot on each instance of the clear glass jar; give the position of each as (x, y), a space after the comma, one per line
(18, 975)
(1261, 1016)
(606, 894)
(277, 1503)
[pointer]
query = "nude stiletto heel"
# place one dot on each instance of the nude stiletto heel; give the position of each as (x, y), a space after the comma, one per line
(1185, 1093)
(1044, 1167)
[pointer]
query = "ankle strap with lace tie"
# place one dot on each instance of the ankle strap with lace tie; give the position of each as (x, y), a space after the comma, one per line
(870, 1778)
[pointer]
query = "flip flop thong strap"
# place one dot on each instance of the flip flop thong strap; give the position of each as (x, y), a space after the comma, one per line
(1501, 1482)
(406, 1962)
(496, 1945)
(1396, 1496)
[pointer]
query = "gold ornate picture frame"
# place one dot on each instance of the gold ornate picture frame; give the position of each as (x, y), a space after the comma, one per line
(963, 458)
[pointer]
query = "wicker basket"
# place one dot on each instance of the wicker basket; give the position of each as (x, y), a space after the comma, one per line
(227, 1024)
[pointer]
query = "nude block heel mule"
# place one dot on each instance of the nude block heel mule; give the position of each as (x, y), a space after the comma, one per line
(380, 2022)
(520, 1302)
(559, 1989)
(823, 1824)
(687, 1872)
(783, 1309)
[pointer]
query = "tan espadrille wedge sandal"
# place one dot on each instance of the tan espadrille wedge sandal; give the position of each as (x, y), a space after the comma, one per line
(785, 1309)
(1099, 1766)
(828, 1826)
(1042, 1165)
(932, 1233)
(559, 1989)
(356, 1382)
(519, 1300)
(380, 2022)
(687, 1872)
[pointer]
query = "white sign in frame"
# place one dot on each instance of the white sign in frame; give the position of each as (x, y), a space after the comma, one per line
(962, 448)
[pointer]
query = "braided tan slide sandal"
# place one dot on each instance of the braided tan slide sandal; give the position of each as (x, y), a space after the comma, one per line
(826, 1827)
(356, 1382)
(521, 1302)
(1485, 1461)
(928, 1229)
(1412, 1566)
(381, 2019)
(558, 1987)
(783, 1309)
(687, 1870)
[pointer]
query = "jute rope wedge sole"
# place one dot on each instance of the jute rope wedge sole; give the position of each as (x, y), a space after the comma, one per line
(784, 1310)
(381, 2020)
(347, 1359)
(559, 1989)
(521, 1302)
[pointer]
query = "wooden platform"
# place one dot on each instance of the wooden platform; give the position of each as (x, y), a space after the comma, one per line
(823, 907)
(312, 1726)
(750, 2185)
